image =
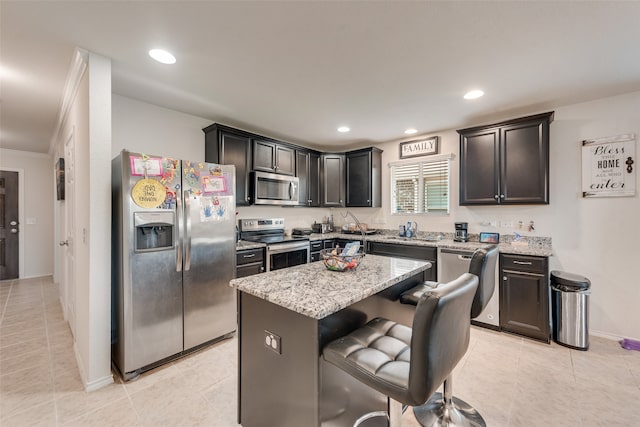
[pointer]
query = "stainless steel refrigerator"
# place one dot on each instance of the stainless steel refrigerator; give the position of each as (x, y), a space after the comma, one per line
(173, 255)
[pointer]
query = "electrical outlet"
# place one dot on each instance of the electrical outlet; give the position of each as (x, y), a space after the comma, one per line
(273, 342)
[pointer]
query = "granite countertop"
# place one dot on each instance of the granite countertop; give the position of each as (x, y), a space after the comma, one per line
(314, 291)
(243, 244)
(535, 249)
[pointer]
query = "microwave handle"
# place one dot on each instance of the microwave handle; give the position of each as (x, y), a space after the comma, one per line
(291, 190)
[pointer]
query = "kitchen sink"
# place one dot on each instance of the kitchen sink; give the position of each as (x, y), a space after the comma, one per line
(418, 239)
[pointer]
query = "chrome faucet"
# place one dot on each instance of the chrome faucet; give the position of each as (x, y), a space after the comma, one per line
(360, 227)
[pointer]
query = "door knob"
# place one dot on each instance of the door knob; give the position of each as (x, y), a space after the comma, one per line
(64, 243)
(13, 223)
(14, 230)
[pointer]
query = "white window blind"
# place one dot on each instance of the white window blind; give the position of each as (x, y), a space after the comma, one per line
(420, 187)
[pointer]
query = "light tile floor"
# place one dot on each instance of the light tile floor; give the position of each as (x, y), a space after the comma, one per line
(510, 380)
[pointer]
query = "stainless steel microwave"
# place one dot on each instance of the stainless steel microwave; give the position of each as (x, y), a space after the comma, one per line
(274, 189)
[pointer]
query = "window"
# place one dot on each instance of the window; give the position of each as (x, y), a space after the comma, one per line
(420, 187)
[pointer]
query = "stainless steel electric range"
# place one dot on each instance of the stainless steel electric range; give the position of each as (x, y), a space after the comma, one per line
(282, 251)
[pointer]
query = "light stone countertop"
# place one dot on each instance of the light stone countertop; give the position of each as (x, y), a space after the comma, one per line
(243, 244)
(314, 291)
(533, 249)
(542, 250)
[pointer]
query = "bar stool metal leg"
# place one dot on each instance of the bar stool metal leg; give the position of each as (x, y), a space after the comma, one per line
(446, 410)
(394, 416)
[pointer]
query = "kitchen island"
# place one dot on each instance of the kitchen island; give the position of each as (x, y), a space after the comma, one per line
(285, 317)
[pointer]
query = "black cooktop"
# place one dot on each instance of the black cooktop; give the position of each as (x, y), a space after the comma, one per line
(274, 238)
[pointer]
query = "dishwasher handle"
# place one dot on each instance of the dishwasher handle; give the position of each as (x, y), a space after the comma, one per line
(467, 254)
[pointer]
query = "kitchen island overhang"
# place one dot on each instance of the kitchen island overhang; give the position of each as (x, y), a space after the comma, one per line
(285, 317)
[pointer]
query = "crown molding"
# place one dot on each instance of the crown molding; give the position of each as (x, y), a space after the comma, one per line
(74, 76)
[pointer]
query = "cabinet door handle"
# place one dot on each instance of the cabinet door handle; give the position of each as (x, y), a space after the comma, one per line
(502, 196)
(249, 256)
(495, 197)
(522, 262)
(504, 278)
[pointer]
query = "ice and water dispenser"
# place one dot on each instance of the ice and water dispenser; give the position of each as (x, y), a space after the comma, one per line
(154, 230)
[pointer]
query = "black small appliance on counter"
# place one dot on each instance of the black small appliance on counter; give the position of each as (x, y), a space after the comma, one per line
(301, 231)
(461, 232)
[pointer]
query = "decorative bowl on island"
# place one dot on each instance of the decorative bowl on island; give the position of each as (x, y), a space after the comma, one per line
(338, 262)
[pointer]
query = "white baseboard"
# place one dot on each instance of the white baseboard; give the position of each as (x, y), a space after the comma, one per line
(99, 383)
(38, 276)
(90, 385)
(609, 336)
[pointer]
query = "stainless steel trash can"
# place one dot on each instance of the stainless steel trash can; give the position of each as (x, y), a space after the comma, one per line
(570, 309)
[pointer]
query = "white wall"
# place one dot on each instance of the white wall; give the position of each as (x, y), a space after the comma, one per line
(98, 294)
(592, 237)
(36, 224)
(596, 238)
(142, 127)
(88, 120)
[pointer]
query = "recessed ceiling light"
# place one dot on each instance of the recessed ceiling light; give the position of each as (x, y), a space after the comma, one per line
(473, 94)
(344, 129)
(411, 131)
(162, 56)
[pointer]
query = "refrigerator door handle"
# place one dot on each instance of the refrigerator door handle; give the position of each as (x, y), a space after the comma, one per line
(187, 234)
(179, 214)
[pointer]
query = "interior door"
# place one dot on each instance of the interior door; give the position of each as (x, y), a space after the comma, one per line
(68, 243)
(9, 225)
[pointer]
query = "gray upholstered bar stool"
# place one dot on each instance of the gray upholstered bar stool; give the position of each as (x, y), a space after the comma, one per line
(409, 364)
(443, 409)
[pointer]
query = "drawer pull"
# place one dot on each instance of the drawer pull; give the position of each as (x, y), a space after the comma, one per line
(249, 256)
(522, 262)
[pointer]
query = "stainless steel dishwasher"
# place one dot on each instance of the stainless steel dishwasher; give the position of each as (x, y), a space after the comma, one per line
(451, 264)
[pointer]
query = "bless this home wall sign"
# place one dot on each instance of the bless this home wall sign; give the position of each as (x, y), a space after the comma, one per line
(608, 166)
(421, 147)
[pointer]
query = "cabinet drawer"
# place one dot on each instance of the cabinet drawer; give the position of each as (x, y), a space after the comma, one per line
(327, 244)
(531, 264)
(315, 246)
(249, 269)
(250, 256)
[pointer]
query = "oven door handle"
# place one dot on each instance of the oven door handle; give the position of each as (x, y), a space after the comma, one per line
(287, 247)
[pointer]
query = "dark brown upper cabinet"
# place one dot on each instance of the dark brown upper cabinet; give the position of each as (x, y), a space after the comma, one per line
(506, 163)
(269, 156)
(364, 178)
(229, 146)
(333, 184)
(308, 173)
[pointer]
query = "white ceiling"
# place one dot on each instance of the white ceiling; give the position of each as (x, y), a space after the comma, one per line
(298, 70)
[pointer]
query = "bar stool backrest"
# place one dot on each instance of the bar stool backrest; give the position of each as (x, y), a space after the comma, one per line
(483, 265)
(440, 335)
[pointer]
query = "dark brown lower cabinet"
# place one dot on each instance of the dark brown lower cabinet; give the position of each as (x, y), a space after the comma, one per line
(524, 296)
(425, 253)
(249, 262)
